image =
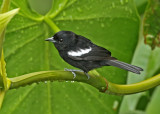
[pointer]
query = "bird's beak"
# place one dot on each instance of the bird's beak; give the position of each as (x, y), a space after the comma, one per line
(50, 39)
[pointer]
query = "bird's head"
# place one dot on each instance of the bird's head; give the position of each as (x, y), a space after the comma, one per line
(63, 39)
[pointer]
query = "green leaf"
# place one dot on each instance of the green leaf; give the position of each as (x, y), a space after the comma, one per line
(5, 18)
(141, 58)
(26, 11)
(151, 24)
(147, 59)
(153, 106)
(111, 24)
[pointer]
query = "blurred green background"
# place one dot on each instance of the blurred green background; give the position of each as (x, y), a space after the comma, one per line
(115, 25)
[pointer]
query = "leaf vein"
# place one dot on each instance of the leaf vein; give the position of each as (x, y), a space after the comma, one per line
(21, 100)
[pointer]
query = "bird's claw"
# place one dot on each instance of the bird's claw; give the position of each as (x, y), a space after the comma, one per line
(73, 72)
(87, 75)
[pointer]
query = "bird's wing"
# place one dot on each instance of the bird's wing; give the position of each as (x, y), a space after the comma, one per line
(93, 53)
(91, 58)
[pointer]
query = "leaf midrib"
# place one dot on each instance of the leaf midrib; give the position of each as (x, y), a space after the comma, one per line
(47, 67)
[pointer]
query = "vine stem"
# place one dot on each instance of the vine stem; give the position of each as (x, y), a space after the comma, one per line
(98, 82)
(2, 94)
(4, 8)
(134, 88)
(51, 24)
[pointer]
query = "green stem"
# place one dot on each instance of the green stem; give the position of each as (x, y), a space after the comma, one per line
(3, 71)
(2, 94)
(134, 88)
(98, 82)
(51, 24)
(5, 6)
(1, 42)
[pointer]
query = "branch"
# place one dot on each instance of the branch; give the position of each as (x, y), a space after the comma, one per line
(98, 82)
(51, 24)
(134, 88)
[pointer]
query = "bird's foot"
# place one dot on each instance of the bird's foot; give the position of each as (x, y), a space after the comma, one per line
(87, 75)
(73, 72)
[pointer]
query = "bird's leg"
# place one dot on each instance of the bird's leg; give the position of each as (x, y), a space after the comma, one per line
(73, 72)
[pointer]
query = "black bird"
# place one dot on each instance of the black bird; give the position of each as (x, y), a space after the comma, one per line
(80, 52)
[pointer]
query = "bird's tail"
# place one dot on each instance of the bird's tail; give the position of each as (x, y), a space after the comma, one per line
(124, 66)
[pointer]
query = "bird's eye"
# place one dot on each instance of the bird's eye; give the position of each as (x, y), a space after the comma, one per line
(61, 40)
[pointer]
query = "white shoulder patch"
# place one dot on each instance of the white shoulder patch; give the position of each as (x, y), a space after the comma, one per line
(79, 52)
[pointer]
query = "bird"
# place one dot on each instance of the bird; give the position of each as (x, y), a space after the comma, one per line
(81, 53)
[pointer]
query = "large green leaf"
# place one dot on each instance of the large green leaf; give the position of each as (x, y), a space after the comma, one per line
(141, 58)
(111, 24)
(153, 106)
(147, 59)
